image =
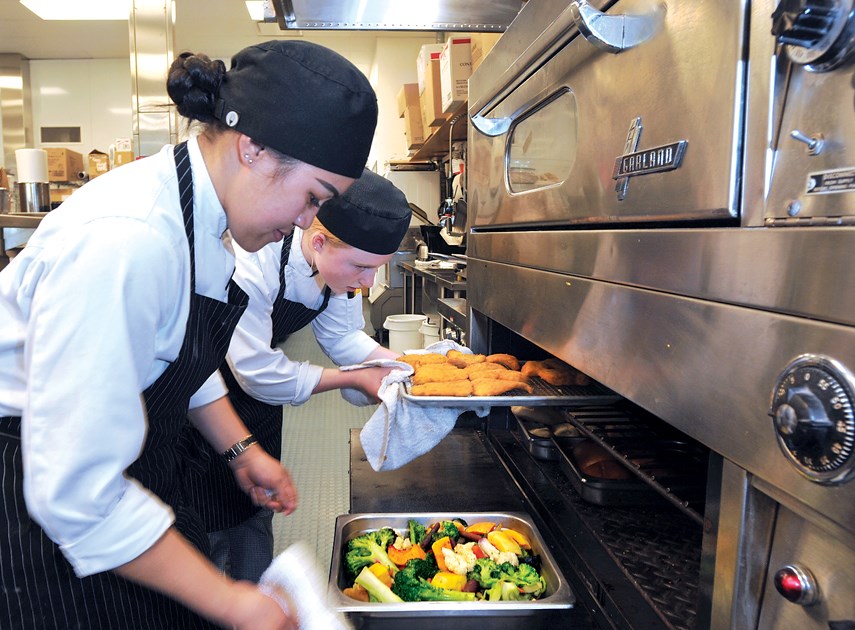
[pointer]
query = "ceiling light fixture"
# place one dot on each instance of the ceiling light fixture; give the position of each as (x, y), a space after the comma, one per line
(80, 10)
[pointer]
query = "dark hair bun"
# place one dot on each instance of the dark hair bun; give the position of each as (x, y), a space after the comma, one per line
(193, 85)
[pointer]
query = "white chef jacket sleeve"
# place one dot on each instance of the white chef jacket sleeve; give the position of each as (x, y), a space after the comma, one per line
(339, 330)
(88, 354)
(263, 372)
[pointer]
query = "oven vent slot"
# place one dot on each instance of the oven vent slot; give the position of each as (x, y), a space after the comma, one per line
(668, 461)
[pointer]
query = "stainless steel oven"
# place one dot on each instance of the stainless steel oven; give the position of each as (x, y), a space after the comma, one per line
(663, 195)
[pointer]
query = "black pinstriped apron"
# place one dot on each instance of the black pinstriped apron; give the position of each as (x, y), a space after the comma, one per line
(215, 495)
(39, 588)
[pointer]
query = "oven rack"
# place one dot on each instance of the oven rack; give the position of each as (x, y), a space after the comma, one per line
(671, 463)
(655, 550)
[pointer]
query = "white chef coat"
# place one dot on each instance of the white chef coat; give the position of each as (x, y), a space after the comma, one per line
(91, 313)
(266, 373)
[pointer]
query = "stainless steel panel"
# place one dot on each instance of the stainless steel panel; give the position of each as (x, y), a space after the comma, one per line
(829, 554)
(685, 84)
(800, 272)
(705, 367)
(394, 15)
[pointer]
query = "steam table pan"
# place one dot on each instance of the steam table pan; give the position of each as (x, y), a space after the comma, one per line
(542, 613)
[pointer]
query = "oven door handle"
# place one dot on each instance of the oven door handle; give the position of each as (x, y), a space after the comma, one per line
(610, 33)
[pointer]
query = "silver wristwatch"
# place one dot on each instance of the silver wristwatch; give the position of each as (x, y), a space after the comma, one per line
(239, 447)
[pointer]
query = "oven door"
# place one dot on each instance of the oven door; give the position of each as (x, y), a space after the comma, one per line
(591, 127)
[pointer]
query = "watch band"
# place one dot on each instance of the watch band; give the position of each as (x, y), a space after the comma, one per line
(239, 447)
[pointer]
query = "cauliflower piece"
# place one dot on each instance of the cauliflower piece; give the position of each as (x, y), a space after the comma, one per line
(403, 543)
(498, 556)
(462, 560)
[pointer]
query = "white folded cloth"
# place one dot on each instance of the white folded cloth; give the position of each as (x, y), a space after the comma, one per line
(294, 580)
(399, 431)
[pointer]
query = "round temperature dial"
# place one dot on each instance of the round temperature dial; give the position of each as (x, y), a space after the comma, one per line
(816, 33)
(812, 409)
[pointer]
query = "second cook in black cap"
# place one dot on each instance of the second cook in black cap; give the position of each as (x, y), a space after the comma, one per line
(114, 321)
(310, 279)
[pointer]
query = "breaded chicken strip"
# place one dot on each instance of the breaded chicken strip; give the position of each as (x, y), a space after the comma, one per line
(482, 368)
(437, 373)
(461, 359)
(508, 360)
(450, 388)
(422, 359)
(499, 375)
(490, 387)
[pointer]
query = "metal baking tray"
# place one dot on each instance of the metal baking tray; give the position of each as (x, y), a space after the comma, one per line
(543, 395)
(540, 447)
(541, 613)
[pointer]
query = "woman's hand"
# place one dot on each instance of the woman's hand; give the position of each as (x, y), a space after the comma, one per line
(253, 610)
(368, 380)
(265, 480)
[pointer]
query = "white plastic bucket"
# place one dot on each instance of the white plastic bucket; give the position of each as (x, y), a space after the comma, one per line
(430, 333)
(404, 331)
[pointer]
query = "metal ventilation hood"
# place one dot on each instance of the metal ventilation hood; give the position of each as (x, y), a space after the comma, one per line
(396, 15)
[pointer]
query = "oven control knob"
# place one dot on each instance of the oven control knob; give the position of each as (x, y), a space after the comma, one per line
(814, 419)
(816, 33)
(797, 585)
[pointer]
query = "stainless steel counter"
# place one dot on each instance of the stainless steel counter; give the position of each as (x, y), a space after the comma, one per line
(423, 287)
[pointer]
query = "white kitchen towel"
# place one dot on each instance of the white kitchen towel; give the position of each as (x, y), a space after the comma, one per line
(399, 431)
(358, 398)
(294, 580)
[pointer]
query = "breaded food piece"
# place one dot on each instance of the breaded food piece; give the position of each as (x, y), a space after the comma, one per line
(555, 372)
(422, 359)
(495, 387)
(450, 388)
(437, 373)
(499, 375)
(486, 368)
(462, 360)
(508, 360)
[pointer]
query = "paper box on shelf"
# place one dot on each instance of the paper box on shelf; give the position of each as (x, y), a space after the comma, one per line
(122, 157)
(431, 98)
(455, 66)
(410, 110)
(123, 144)
(481, 44)
(64, 165)
(99, 163)
(426, 53)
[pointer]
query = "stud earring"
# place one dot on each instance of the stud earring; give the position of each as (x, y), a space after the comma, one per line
(246, 157)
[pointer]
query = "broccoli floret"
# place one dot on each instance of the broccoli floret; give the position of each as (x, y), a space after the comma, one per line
(369, 548)
(376, 589)
(505, 591)
(411, 584)
(486, 572)
(447, 528)
(527, 579)
(416, 531)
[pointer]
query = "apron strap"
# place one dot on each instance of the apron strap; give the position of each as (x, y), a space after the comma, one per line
(185, 194)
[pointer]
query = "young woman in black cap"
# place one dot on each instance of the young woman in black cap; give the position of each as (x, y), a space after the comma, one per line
(113, 322)
(310, 279)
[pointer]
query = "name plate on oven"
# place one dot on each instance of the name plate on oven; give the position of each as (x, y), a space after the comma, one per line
(654, 160)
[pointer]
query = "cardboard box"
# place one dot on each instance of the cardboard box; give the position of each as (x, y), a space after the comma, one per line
(481, 44)
(431, 99)
(455, 66)
(123, 144)
(410, 110)
(99, 163)
(60, 193)
(426, 53)
(122, 157)
(64, 165)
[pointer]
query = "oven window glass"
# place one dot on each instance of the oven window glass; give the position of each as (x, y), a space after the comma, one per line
(543, 144)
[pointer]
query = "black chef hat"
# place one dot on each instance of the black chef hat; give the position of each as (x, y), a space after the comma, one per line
(373, 215)
(304, 100)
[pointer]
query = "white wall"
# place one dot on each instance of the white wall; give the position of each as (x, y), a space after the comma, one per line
(394, 64)
(93, 94)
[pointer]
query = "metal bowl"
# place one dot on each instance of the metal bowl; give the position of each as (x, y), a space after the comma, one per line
(463, 615)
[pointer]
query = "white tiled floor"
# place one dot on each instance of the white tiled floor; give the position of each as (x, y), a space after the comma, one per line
(316, 450)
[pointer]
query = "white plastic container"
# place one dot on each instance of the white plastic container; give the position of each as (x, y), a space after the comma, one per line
(430, 333)
(404, 331)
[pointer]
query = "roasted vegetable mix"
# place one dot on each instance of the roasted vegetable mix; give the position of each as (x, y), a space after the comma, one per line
(443, 561)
